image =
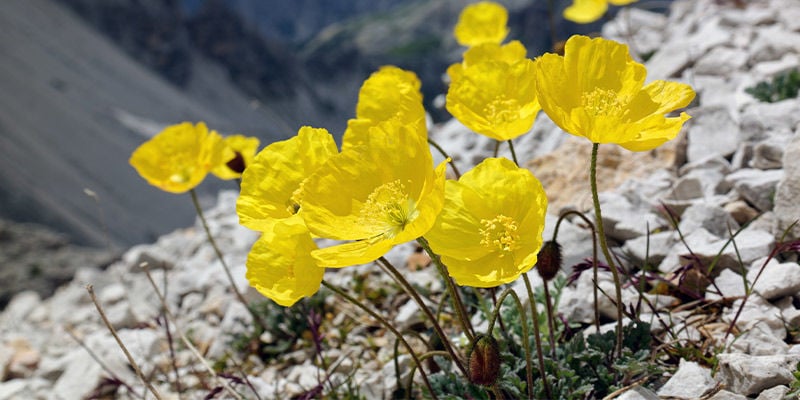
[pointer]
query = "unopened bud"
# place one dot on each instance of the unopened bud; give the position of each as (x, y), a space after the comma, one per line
(549, 260)
(484, 361)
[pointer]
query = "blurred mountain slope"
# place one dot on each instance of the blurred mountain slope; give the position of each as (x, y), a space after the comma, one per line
(72, 109)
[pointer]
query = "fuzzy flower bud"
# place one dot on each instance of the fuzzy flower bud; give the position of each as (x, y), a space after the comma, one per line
(549, 260)
(484, 361)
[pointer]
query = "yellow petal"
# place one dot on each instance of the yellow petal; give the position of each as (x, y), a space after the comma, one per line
(480, 23)
(280, 265)
(586, 11)
(495, 99)
(272, 186)
(389, 93)
(621, 2)
(377, 194)
(508, 53)
(179, 157)
(239, 153)
(490, 229)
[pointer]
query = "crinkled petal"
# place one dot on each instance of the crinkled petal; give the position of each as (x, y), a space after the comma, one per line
(280, 265)
(655, 132)
(272, 186)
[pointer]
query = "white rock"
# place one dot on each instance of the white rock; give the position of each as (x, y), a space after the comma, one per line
(777, 279)
(575, 240)
(712, 218)
(768, 69)
(652, 248)
(787, 208)
(757, 342)
(772, 42)
(689, 381)
(741, 212)
(712, 131)
(408, 315)
(750, 375)
(729, 283)
(756, 186)
(768, 154)
(763, 121)
(775, 393)
(757, 313)
(726, 395)
(721, 61)
(790, 313)
(624, 219)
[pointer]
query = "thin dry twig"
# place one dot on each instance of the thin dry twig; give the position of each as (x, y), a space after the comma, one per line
(100, 362)
(113, 331)
(183, 337)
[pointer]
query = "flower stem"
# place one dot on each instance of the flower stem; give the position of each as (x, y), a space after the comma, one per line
(604, 246)
(386, 325)
(458, 304)
(398, 277)
(537, 335)
(526, 343)
(513, 153)
(446, 156)
(236, 291)
(550, 323)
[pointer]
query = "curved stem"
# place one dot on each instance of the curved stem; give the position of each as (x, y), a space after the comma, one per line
(446, 156)
(386, 325)
(458, 304)
(550, 323)
(604, 246)
(537, 335)
(236, 291)
(526, 343)
(398, 277)
(513, 153)
(424, 357)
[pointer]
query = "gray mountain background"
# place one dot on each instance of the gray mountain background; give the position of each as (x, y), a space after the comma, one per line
(84, 82)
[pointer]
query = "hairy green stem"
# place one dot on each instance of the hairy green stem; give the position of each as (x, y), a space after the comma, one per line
(398, 277)
(537, 335)
(236, 291)
(604, 246)
(446, 156)
(458, 304)
(386, 325)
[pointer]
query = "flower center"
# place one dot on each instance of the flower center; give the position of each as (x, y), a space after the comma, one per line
(181, 176)
(500, 233)
(502, 110)
(390, 206)
(296, 199)
(604, 102)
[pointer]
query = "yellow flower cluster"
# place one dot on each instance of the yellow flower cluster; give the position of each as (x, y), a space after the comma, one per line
(383, 189)
(178, 158)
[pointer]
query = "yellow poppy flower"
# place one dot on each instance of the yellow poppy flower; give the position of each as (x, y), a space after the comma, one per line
(389, 93)
(597, 91)
(508, 53)
(280, 265)
(178, 158)
(490, 229)
(273, 185)
(375, 195)
(495, 99)
(481, 22)
(239, 153)
(586, 11)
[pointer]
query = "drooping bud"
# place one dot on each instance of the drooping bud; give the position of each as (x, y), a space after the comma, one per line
(549, 260)
(484, 361)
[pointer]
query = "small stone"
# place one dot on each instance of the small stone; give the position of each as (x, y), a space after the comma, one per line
(757, 313)
(712, 131)
(777, 279)
(652, 248)
(750, 375)
(712, 218)
(757, 342)
(726, 395)
(721, 61)
(689, 381)
(638, 393)
(740, 211)
(787, 208)
(756, 186)
(408, 315)
(768, 155)
(775, 393)
(729, 283)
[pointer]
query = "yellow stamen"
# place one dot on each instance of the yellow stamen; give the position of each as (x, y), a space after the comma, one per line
(390, 205)
(500, 233)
